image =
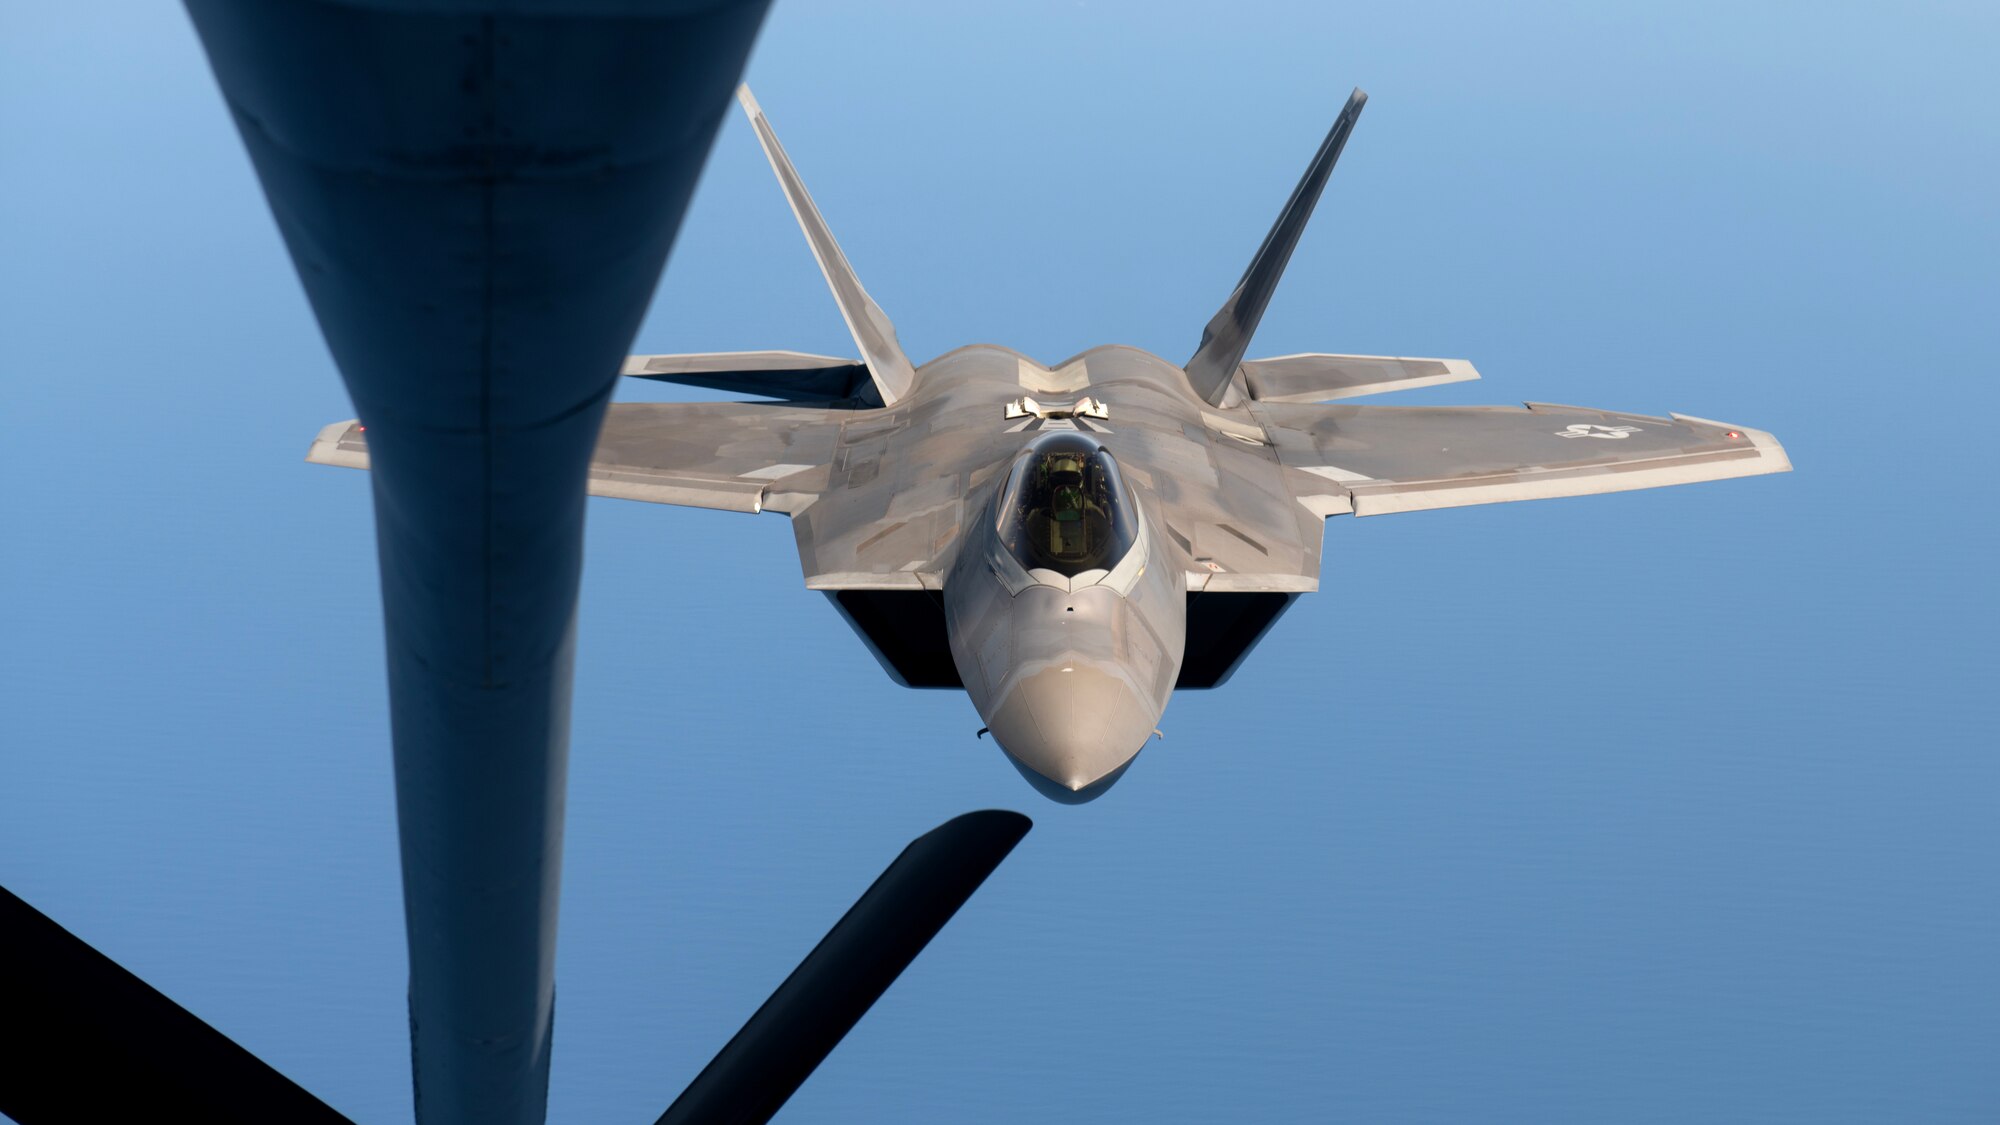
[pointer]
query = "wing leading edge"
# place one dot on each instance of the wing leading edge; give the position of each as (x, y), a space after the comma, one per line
(1374, 460)
(729, 456)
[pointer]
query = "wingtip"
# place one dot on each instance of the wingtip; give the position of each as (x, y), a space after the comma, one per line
(1769, 450)
(1358, 98)
(748, 101)
(326, 450)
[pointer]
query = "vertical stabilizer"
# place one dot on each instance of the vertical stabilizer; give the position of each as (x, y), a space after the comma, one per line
(1228, 333)
(873, 334)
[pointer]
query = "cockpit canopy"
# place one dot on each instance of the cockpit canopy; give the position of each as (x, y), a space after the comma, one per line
(1064, 507)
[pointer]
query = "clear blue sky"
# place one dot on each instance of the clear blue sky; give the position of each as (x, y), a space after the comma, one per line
(1660, 807)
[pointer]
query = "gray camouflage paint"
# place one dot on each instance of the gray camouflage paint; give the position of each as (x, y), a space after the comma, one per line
(1227, 337)
(1072, 675)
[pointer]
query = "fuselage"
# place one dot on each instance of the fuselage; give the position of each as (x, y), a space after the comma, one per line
(1069, 618)
(1066, 599)
(1068, 637)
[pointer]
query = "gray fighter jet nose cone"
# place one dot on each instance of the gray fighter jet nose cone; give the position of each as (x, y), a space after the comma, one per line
(1062, 794)
(1072, 728)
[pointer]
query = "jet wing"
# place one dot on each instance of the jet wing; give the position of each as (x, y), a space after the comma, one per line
(733, 456)
(1409, 458)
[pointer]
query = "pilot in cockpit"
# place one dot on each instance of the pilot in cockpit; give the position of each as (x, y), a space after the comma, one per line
(1063, 510)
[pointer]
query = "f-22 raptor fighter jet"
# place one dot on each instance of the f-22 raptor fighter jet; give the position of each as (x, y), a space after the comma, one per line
(1070, 543)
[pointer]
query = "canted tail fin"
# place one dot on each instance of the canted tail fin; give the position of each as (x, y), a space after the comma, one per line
(1228, 333)
(873, 334)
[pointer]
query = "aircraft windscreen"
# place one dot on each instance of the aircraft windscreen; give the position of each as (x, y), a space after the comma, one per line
(1064, 507)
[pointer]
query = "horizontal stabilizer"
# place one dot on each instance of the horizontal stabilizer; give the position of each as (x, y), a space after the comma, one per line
(791, 376)
(1311, 377)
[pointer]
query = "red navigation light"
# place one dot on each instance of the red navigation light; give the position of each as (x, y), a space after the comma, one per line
(1732, 434)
